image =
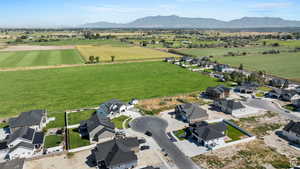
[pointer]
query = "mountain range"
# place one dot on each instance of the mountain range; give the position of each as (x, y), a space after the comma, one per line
(174, 21)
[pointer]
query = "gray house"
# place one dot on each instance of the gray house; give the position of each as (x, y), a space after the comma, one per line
(248, 87)
(217, 92)
(209, 135)
(190, 113)
(229, 106)
(292, 131)
(279, 83)
(116, 154)
(36, 119)
(285, 95)
(97, 128)
(111, 107)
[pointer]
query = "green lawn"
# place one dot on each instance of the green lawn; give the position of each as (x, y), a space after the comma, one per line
(127, 123)
(39, 58)
(289, 43)
(75, 140)
(76, 118)
(53, 141)
(179, 134)
(62, 89)
(119, 121)
(79, 42)
(284, 65)
(2, 125)
(223, 51)
(59, 120)
(233, 133)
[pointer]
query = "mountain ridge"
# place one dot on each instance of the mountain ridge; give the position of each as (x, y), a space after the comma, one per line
(173, 21)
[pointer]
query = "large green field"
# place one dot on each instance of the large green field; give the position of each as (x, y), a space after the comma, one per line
(289, 43)
(39, 58)
(79, 42)
(285, 65)
(68, 88)
(223, 51)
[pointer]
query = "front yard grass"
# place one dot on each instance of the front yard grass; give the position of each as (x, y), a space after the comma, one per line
(290, 107)
(118, 121)
(53, 141)
(59, 121)
(75, 140)
(180, 134)
(75, 118)
(233, 133)
(264, 89)
(3, 124)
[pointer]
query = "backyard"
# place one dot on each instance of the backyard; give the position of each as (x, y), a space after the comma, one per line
(75, 139)
(53, 141)
(63, 89)
(76, 118)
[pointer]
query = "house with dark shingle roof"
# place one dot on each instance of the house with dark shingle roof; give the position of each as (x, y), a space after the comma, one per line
(285, 95)
(190, 113)
(292, 131)
(209, 135)
(97, 128)
(36, 119)
(111, 107)
(296, 103)
(13, 164)
(23, 142)
(279, 83)
(218, 92)
(229, 106)
(117, 154)
(247, 87)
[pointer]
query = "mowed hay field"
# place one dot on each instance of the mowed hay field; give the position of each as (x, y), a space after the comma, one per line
(39, 58)
(286, 65)
(121, 53)
(68, 88)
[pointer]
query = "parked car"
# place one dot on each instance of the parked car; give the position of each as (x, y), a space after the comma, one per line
(148, 133)
(144, 148)
(142, 141)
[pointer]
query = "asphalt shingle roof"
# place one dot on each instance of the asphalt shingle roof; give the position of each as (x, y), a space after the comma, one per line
(30, 118)
(192, 111)
(209, 131)
(24, 133)
(293, 127)
(22, 144)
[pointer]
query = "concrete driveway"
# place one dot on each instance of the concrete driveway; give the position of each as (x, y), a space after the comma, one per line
(157, 127)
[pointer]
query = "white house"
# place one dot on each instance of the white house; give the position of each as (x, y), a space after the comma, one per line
(209, 135)
(112, 108)
(292, 131)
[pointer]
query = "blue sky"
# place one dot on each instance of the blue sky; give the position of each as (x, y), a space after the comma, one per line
(18, 13)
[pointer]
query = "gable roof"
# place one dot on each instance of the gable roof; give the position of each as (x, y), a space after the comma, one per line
(30, 118)
(110, 106)
(23, 133)
(13, 164)
(292, 127)
(116, 152)
(192, 111)
(38, 138)
(25, 145)
(97, 120)
(209, 131)
(218, 89)
(231, 104)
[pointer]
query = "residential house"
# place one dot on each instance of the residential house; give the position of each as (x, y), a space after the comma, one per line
(218, 92)
(296, 103)
(186, 59)
(98, 128)
(3, 149)
(149, 167)
(23, 142)
(190, 113)
(285, 95)
(13, 164)
(209, 135)
(111, 108)
(230, 106)
(223, 68)
(292, 131)
(247, 87)
(119, 153)
(170, 59)
(36, 119)
(298, 89)
(279, 83)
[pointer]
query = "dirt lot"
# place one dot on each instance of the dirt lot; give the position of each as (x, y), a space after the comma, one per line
(60, 162)
(29, 48)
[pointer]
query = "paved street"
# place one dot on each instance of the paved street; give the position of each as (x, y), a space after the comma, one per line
(157, 127)
(268, 105)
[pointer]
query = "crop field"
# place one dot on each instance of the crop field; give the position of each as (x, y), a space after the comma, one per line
(121, 53)
(289, 43)
(285, 65)
(71, 88)
(224, 51)
(79, 42)
(39, 58)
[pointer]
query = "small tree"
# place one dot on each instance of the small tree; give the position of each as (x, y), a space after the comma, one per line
(91, 59)
(113, 58)
(241, 67)
(97, 59)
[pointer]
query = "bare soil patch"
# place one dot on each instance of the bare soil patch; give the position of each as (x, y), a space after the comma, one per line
(30, 48)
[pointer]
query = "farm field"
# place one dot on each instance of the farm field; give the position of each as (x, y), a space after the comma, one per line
(69, 88)
(39, 58)
(78, 42)
(121, 53)
(223, 51)
(289, 43)
(285, 65)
